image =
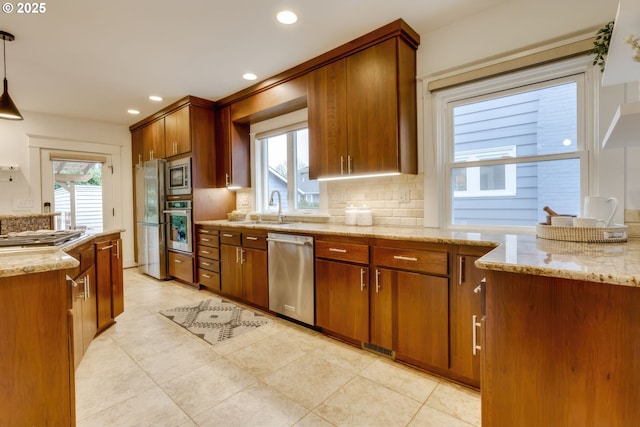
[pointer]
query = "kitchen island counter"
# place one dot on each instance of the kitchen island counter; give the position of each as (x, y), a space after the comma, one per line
(610, 263)
(17, 260)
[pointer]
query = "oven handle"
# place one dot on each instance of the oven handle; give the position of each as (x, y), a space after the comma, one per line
(176, 212)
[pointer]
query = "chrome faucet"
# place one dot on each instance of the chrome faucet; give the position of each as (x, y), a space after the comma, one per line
(271, 203)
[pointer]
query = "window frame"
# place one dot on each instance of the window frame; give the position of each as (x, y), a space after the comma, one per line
(576, 69)
(272, 127)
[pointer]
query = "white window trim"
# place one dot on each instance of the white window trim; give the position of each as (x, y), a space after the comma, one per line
(438, 144)
(275, 126)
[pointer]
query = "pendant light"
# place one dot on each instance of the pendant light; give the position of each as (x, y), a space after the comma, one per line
(8, 109)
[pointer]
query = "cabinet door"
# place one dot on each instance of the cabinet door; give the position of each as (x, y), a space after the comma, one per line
(255, 277)
(117, 280)
(230, 270)
(372, 113)
(77, 297)
(137, 147)
(327, 106)
(177, 132)
(381, 303)
(422, 318)
(342, 299)
(103, 283)
(465, 303)
(153, 140)
(233, 165)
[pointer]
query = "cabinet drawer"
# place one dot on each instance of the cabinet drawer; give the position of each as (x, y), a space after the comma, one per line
(412, 260)
(208, 252)
(209, 264)
(255, 241)
(181, 266)
(209, 279)
(351, 252)
(230, 237)
(205, 239)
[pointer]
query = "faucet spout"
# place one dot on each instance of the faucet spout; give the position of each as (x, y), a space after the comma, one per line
(271, 203)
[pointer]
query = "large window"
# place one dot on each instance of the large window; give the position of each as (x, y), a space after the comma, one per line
(285, 168)
(281, 156)
(514, 145)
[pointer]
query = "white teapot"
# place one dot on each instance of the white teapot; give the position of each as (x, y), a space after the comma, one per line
(601, 208)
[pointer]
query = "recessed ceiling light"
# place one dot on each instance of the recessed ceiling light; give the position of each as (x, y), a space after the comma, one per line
(287, 17)
(132, 111)
(249, 76)
(155, 98)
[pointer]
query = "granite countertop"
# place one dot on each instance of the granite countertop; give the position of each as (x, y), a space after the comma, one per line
(17, 260)
(611, 263)
(29, 215)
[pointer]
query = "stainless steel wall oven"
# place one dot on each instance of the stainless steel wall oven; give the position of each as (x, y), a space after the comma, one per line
(179, 225)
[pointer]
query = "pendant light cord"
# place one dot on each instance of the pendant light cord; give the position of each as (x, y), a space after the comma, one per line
(4, 55)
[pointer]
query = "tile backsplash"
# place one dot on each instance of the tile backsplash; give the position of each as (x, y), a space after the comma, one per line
(393, 200)
(632, 221)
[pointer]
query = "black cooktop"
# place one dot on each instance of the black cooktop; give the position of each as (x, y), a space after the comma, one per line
(39, 238)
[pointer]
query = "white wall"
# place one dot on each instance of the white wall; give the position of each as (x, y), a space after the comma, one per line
(72, 134)
(514, 26)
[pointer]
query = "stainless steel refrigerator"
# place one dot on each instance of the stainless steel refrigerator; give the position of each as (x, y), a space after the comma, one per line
(150, 222)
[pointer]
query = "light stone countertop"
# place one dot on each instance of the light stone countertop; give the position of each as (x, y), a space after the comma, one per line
(17, 260)
(611, 263)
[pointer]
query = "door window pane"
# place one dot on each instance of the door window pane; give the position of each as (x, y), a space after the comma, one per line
(78, 194)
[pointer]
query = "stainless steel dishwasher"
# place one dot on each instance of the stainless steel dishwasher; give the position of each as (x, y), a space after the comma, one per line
(291, 276)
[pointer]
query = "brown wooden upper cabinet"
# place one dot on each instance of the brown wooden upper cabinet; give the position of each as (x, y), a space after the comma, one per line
(153, 141)
(233, 151)
(177, 132)
(362, 112)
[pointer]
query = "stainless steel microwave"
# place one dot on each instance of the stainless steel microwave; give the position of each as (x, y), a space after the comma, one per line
(178, 177)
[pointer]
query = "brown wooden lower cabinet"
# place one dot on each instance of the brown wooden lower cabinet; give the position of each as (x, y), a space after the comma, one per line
(342, 299)
(413, 311)
(465, 316)
(560, 352)
(244, 269)
(36, 351)
(109, 280)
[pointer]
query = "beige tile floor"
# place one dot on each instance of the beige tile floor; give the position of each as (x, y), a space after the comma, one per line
(147, 371)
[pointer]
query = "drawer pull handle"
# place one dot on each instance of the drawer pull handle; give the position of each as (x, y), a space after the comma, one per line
(342, 251)
(206, 276)
(475, 325)
(206, 263)
(205, 240)
(205, 231)
(405, 258)
(478, 289)
(205, 252)
(179, 261)
(252, 238)
(104, 248)
(227, 235)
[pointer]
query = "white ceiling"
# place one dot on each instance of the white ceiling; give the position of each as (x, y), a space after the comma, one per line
(94, 59)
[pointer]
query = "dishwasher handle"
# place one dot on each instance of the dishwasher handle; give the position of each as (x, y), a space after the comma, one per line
(290, 242)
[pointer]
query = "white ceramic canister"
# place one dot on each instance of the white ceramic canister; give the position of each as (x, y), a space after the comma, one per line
(351, 215)
(364, 216)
